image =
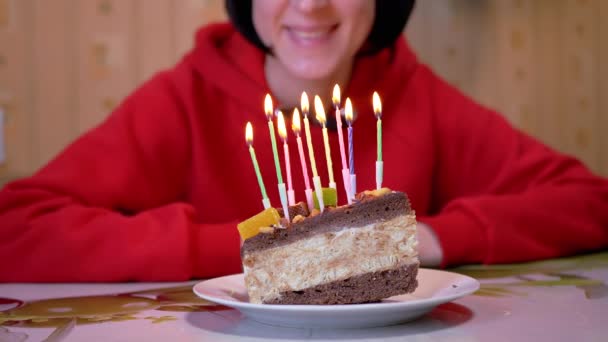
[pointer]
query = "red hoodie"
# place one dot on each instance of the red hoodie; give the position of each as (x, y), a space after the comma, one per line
(156, 191)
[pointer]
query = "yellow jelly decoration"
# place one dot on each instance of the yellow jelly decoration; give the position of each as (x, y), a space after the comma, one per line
(251, 226)
(330, 198)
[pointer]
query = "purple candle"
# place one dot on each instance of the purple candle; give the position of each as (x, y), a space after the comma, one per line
(348, 111)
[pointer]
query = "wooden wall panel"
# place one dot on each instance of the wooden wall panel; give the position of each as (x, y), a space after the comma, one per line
(547, 63)
(154, 37)
(15, 87)
(417, 30)
(515, 56)
(106, 65)
(189, 15)
(53, 116)
(601, 81)
(479, 46)
(579, 64)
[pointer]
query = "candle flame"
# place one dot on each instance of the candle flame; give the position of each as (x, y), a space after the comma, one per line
(336, 96)
(249, 134)
(281, 126)
(320, 110)
(268, 107)
(304, 103)
(348, 109)
(295, 122)
(377, 105)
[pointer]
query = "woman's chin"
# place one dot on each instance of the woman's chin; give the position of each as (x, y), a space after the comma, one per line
(311, 72)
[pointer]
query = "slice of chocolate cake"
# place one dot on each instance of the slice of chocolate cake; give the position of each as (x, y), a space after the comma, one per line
(358, 253)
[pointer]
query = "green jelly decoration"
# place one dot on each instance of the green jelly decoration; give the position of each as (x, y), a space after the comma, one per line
(330, 198)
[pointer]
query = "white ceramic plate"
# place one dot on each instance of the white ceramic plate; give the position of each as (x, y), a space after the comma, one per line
(434, 288)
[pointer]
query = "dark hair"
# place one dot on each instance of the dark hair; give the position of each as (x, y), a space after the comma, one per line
(390, 19)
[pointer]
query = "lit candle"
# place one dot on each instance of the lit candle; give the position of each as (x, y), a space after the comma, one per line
(282, 190)
(283, 134)
(379, 162)
(348, 112)
(256, 166)
(268, 110)
(296, 127)
(311, 153)
(320, 111)
(345, 174)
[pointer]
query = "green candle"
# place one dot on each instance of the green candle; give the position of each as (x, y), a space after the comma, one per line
(256, 166)
(275, 152)
(254, 160)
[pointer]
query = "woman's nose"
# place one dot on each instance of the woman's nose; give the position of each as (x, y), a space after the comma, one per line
(309, 5)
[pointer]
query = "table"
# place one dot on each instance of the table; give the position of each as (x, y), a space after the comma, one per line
(556, 300)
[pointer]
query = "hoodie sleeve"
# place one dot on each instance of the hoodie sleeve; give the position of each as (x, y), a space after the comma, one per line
(110, 207)
(502, 196)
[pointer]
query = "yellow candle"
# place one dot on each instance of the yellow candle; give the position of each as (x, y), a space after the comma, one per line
(320, 111)
(311, 152)
(316, 180)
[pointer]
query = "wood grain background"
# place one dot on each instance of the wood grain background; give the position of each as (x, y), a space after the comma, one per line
(64, 64)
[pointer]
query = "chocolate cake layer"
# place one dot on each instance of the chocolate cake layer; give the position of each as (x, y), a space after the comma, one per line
(362, 213)
(329, 257)
(365, 288)
(299, 208)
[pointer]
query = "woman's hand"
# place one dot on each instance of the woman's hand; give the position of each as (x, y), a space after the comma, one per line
(429, 249)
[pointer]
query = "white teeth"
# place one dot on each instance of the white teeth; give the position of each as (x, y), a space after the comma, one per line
(310, 34)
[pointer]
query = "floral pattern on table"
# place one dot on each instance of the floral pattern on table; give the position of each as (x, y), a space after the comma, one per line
(554, 272)
(64, 314)
(60, 312)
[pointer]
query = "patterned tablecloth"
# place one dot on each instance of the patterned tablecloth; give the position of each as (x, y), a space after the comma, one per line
(555, 300)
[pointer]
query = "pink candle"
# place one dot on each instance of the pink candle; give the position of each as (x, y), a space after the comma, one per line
(336, 101)
(283, 135)
(296, 127)
(345, 173)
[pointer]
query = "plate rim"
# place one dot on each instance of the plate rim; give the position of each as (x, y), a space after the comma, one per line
(414, 302)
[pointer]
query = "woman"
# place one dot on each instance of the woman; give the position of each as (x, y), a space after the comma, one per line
(155, 192)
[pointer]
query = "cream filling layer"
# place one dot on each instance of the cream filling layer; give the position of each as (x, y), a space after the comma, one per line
(329, 257)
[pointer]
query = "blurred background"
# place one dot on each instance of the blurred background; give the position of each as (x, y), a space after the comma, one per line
(65, 64)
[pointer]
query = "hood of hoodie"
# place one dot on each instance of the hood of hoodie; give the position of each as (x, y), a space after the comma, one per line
(223, 58)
